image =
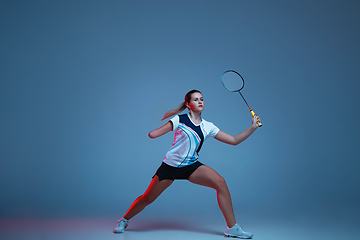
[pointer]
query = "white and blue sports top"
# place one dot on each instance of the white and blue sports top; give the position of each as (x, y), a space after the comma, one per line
(188, 140)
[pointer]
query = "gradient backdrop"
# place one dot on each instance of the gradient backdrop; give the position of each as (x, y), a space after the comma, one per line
(83, 82)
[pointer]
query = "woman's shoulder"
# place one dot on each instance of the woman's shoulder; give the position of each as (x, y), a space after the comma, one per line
(207, 123)
(210, 128)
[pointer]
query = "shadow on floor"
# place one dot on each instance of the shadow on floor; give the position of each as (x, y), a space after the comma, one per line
(180, 225)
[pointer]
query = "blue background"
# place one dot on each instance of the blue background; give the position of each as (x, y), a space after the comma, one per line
(83, 82)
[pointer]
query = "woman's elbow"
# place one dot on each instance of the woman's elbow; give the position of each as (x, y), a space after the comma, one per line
(232, 141)
(152, 135)
(235, 143)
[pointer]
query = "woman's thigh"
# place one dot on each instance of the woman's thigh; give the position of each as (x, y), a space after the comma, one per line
(206, 176)
(156, 187)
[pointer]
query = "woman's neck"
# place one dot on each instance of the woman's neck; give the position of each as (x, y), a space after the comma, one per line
(195, 117)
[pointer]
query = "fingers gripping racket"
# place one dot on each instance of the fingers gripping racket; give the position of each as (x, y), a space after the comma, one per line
(234, 82)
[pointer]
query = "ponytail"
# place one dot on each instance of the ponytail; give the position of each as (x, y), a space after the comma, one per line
(181, 107)
(174, 111)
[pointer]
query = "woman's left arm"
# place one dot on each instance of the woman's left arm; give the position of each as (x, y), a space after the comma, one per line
(235, 140)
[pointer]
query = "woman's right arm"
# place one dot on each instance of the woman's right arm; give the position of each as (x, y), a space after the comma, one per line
(161, 130)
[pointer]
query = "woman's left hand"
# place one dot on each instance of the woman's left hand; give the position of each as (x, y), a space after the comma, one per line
(255, 119)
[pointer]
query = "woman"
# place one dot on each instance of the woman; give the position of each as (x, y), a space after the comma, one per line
(181, 161)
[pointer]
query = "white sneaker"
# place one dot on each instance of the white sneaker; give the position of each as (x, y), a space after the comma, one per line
(121, 225)
(237, 232)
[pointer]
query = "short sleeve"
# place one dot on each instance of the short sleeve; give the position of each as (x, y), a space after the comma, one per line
(214, 130)
(209, 128)
(175, 121)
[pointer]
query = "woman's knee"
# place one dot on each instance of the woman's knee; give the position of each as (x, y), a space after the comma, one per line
(220, 183)
(146, 199)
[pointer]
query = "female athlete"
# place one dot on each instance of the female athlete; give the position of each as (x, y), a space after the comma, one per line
(181, 161)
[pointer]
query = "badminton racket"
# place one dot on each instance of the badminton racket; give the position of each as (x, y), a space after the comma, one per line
(234, 82)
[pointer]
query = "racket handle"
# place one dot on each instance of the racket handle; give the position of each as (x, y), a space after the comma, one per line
(253, 114)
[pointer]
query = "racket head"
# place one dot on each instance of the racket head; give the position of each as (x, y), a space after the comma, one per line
(232, 81)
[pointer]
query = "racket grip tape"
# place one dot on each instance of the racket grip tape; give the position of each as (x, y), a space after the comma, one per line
(253, 114)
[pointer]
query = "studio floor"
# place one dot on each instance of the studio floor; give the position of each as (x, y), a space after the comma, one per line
(170, 228)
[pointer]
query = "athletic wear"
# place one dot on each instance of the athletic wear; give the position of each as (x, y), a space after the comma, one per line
(189, 138)
(237, 231)
(168, 172)
(121, 225)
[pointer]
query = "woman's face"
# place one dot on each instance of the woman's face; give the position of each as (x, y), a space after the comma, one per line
(196, 103)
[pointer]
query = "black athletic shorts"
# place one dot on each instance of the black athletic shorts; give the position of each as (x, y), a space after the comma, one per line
(168, 172)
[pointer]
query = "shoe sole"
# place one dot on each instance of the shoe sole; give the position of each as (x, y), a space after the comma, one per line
(233, 236)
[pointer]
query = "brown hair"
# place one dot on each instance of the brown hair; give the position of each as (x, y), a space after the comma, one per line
(182, 106)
